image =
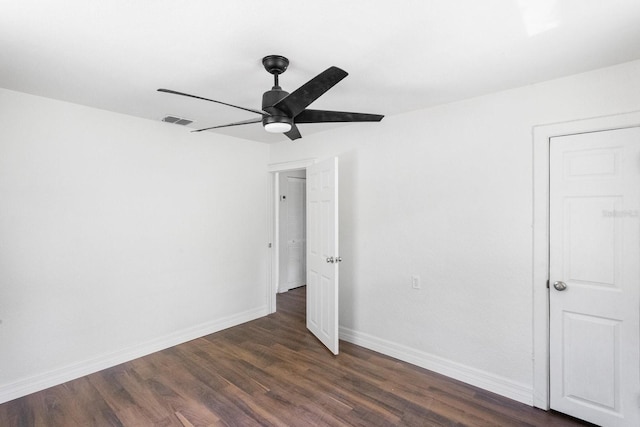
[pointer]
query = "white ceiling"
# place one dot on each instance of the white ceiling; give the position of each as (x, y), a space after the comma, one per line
(401, 56)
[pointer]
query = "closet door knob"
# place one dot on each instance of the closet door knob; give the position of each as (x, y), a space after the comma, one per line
(559, 286)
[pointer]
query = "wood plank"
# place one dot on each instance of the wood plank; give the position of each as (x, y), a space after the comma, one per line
(185, 422)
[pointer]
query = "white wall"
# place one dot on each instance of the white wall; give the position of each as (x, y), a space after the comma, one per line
(119, 236)
(446, 194)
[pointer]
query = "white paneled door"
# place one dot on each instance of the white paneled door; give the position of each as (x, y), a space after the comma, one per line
(594, 290)
(322, 252)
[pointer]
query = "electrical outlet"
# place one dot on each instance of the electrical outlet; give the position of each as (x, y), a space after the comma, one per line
(415, 282)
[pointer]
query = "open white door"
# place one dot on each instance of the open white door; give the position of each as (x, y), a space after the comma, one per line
(322, 252)
(595, 276)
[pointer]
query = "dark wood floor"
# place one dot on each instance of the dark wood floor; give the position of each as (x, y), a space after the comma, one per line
(269, 372)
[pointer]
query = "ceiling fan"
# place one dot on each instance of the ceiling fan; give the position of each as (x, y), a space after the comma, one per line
(281, 110)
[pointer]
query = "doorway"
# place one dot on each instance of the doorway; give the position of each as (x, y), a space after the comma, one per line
(292, 230)
(322, 245)
(275, 171)
(575, 166)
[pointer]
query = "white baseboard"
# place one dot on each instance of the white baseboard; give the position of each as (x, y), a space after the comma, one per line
(52, 378)
(494, 383)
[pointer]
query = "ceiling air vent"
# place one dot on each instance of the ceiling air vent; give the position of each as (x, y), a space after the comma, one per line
(177, 120)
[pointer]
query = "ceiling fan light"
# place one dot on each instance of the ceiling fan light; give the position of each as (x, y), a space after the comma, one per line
(277, 127)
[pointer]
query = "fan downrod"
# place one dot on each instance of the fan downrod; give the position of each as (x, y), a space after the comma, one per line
(275, 64)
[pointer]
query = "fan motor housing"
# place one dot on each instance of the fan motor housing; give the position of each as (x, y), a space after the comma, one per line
(269, 99)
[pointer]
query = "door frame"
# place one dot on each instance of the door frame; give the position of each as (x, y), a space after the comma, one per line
(273, 213)
(542, 135)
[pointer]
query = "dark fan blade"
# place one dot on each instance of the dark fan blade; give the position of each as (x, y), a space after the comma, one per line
(244, 122)
(294, 103)
(321, 116)
(262, 113)
(294, 133)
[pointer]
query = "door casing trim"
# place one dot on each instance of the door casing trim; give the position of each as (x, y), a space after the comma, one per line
(542, 135)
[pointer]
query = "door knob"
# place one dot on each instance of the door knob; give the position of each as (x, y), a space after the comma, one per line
(560, 286)
(331, 260)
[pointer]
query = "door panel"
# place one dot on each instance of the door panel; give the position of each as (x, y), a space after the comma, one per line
(591, 256)
(296, 262)
(322, 245)
(595, 250)
(591, 352)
